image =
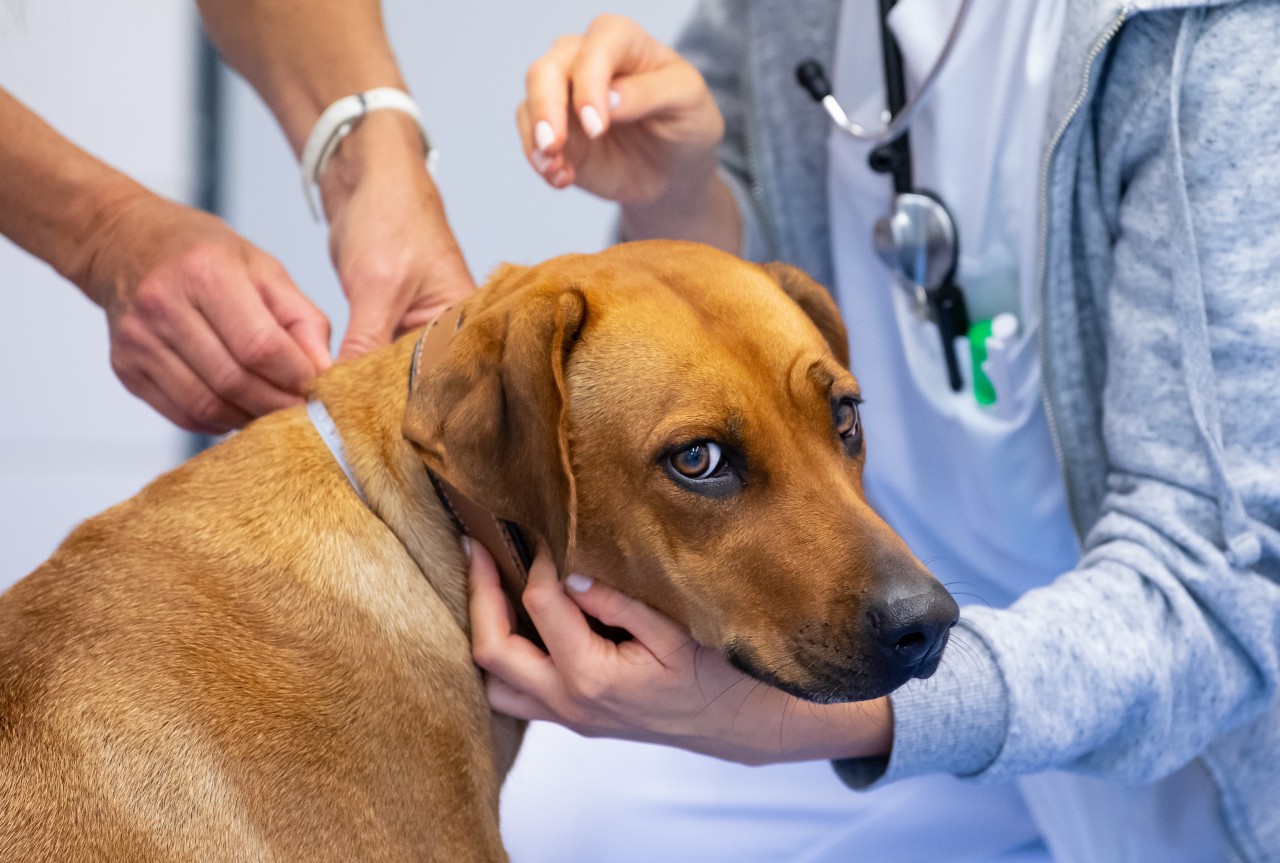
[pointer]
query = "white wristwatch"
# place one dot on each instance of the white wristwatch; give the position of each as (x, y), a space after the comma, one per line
(337, 121)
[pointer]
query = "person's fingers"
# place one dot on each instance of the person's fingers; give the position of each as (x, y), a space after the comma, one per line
(658, 633)
(491, 614)
(300, 317)
(671, 86)
(149, 369)
(508, 700)
(547, 95)
(563, 178)
(559, 620)
(613, 46)
(494, 643)
(261, 349)
(142, 386)
(544, 164)
(518, 676)
(395, 255)
(203, 338)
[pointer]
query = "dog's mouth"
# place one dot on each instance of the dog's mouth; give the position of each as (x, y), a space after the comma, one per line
(830, 683)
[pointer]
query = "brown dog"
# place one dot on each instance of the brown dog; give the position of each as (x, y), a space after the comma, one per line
(247, 661)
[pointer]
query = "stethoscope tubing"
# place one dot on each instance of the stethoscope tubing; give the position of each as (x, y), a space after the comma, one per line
(919, 229)
(899, 119)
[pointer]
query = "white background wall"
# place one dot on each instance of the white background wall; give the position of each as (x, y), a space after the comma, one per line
(117, 77)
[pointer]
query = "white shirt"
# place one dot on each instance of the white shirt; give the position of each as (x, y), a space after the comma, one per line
(976, 491)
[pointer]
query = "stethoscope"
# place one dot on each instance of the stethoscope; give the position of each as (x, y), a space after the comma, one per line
(917, 238)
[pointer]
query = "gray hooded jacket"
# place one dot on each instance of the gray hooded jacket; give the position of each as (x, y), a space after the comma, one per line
(1160, 332)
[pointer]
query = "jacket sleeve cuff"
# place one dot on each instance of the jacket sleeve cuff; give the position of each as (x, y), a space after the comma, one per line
(755, 243)
(954, 722)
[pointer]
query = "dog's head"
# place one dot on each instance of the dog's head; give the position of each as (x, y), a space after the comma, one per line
(681, 424)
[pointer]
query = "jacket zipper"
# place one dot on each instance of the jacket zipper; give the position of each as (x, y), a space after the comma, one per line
(1041, 258)
(752, 155)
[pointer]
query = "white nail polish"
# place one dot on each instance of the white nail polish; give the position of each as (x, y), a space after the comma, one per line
(560, 179)
(577, 583)
(591, 122)
(543, 135)
(540, 161)
(615, 98)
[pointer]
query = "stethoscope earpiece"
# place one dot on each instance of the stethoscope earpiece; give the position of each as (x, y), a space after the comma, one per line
(813, 78)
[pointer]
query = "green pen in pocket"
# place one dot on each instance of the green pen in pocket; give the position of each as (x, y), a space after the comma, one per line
(983, 392)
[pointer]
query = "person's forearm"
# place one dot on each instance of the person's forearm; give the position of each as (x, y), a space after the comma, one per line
(54, 197)
(802, 731)
(302, 55)
(391, 245)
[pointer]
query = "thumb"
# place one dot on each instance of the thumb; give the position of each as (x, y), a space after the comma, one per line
(370, 327)
(443, 293)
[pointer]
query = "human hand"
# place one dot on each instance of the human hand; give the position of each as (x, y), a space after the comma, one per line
(659, 687)
(205, 327)
(392, 247)
(621, 115)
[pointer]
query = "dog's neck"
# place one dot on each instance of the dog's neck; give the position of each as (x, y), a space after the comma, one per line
(511, 551)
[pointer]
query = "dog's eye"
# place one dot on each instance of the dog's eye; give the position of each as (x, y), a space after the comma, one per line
(704, 469)
(699, 461)
(849, 424)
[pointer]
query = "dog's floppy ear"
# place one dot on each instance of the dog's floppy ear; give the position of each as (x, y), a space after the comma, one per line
(816, 303)
(491, 417)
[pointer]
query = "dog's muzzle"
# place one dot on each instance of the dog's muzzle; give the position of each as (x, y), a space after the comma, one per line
(899, 637)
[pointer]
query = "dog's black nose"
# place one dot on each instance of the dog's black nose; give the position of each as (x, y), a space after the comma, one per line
(910, 625)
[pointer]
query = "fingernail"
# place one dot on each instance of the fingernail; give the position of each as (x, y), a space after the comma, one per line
(591, 122)
(578, 583)
(543, 135)
(615, 98)
(466, 546)
(560, 179)
(540, 160)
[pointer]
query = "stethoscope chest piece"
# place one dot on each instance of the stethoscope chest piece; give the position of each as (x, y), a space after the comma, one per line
(916, 240)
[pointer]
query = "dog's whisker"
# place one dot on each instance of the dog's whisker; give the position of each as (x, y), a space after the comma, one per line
(958, 651)
(689, 641)
(976, 598)
(974, 626)
(938, 558)
(731, 686)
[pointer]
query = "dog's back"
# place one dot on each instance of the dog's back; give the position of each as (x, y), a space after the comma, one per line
(242, 662)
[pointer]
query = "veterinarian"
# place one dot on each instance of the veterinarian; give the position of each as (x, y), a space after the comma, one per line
(1111, 515)
(206, 328)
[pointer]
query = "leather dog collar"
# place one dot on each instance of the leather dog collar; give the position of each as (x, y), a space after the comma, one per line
(511, 550)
